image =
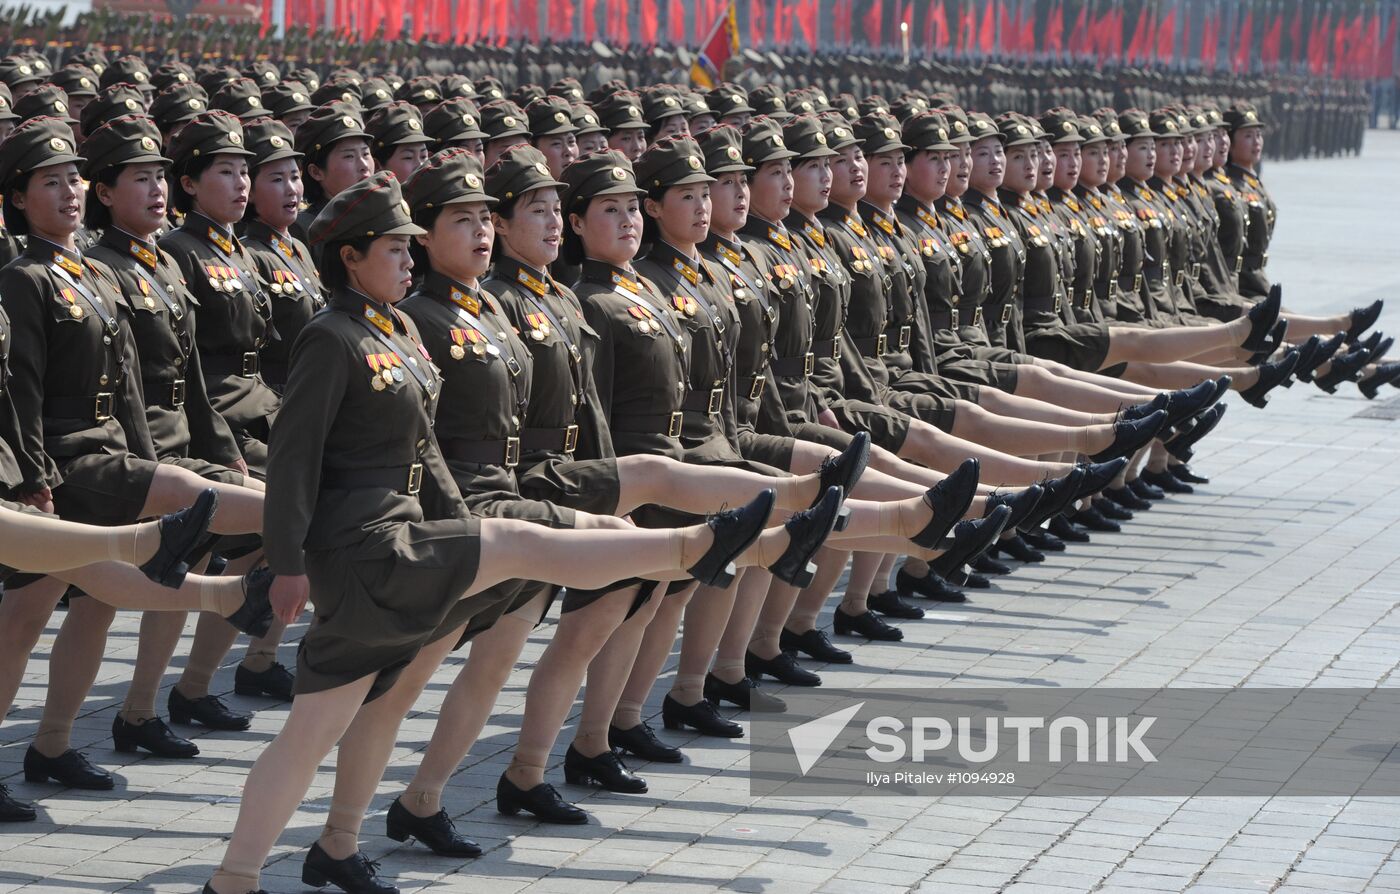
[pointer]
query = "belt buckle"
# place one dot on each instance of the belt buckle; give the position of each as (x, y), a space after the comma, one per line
(1239, 263)
(512, 453)
(177, 393)
(1137, 282)
(1180, 277)
(1057, 304)
(716, 401)
(1196, 271)
(953, 317)
(1088, 293)
(673, 426)
(102, 407)
(882, 344)
(415, 479)
(570, 438)
(250, 363)
(809, 363)
(1005, 314)
(906, 335)
(756, 387)
(976, 317)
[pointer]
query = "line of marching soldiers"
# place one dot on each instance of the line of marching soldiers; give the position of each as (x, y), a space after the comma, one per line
(431, 355)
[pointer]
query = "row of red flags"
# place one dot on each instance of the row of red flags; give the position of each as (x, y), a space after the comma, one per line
(1324, 42)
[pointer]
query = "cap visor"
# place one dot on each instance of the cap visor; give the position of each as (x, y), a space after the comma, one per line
(408, 229)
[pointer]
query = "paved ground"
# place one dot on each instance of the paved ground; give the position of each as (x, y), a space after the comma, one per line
(1282, 572)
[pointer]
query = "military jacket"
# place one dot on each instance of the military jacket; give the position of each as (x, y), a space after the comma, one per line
(285, 267)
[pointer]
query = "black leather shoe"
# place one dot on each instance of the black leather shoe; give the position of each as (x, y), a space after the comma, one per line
(1097, 476)
(1344, 369)
(542, 801)
(1043, 540)
(701, 717)
(356, 874)
(1262, 318)
(1275, 340)
(275, 682)
(13, 810)
(1385, 374)
(949, 499)
(1067, 530)
(866, 624)
(1125, 497)
(1147, 491)
(71, 769)
(1382, 350)
(436, 832)
(988, 565)
(1371, 343)
(783, 668)
(1130, 437)
(1324, 352)
(254, 616)
(209, 889)
(735, 530)
(1139, 411)
(153, 735)
(1111, 510)
(814, 643)
(1187, 402)
(1022, 504)
(1306, 352)
(1364, 318)
(844, 470)
(1020, 550)
(971, 539)
(1184, 474)
(641, 741)
(1271, 375)
(969, 580)
(1057, 494)
(1181, 446)
(180, 533)
(931, 586)
(744, 694)
(1168, 482)
(606, 771)
(1094, 520)
(209, 711)
(891, 605)
(807, 531)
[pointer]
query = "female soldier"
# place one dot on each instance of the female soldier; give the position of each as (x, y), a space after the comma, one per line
(81, 430)
(126, 203)
(335, 154)
(397, 141)
(366, 520)
(621, 114)
(455, 123)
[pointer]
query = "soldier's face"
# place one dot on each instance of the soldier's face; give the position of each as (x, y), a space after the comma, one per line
(1222, 146)
(1021, 169)
(729, 203)
(1068, 161)
(1246, 146)
(1188, 153)
(888, 174)
(137, 200)
(675, 126)
(559, 151)
(221, 191)
(811, 185)
(703, 122)
(988, 165)
(384, 272)
(534, 229)
(277, 192)
(1046, 173)
(1205, 152)
(1093, 169)
(1117, 160)
(5, 128)
(961, 177)
(591, 143)
(611, 229)
(850, 177)
(770, 190)
(927, 174)
(406, 159)
(459, 242)
(738, 120)
(631, 142)
(683, 214)
(1142, 158)
(1168, 160)
(347, 163)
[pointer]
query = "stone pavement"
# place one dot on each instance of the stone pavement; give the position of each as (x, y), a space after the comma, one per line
(1282, 572)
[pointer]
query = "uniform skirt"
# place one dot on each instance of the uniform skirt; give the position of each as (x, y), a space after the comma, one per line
(887, 428)
(379, 601)
(1081, 346)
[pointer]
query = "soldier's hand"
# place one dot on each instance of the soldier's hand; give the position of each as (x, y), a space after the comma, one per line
(40, 499)
(288, 596)
(240, 466)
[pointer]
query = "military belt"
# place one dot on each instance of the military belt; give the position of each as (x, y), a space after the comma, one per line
(165, 394)
(563, 440)
(246, 364)
(94, 408)
(707, 402)
(402, 479)
(793, 367)
(668, 424)
(504, 452)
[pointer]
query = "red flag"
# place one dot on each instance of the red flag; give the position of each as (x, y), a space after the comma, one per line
(1271, 50)
(1165, 50)
(986, 40)
(1210, 40)
(874, 23)
(721, 45)
(1055, 30)
(936, 27)
(1140, 35)
(755, 22)
(1317, 44)
(650, 20)
(906, 19)
(1079, 37)
(1385, 54)
(1346, 37)
(590, 19)
(808, 16)
(675, 21)
(967, 27)
(1295, 35)
(563, 16)
(1244, 44)
(1010, 30)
